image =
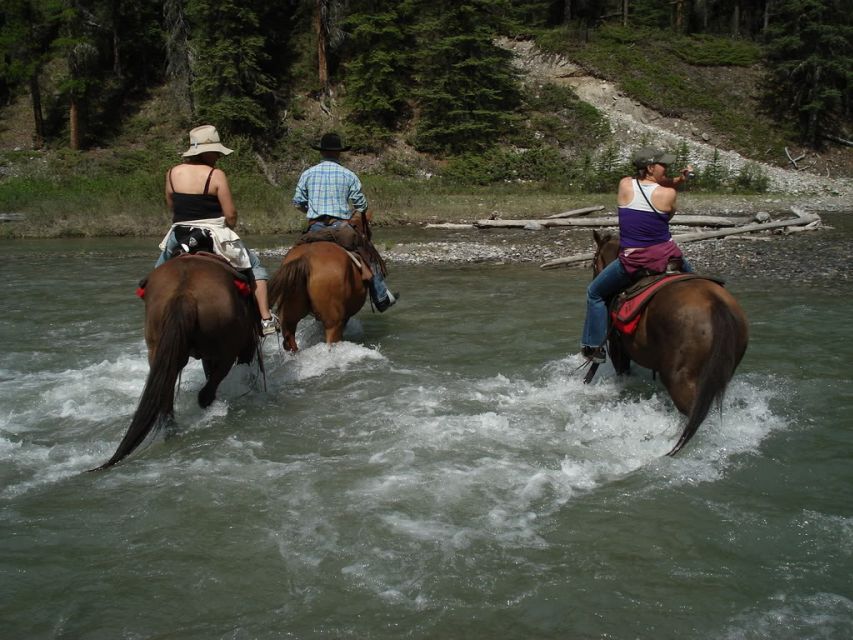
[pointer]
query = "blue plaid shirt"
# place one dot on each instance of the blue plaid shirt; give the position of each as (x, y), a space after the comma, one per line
(327, 189)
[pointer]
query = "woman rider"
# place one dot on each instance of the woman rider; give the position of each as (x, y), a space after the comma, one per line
(198, 195)
(646, 202)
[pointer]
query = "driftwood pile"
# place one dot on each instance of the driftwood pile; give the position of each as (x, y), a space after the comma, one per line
(802, 222)
(721, 226)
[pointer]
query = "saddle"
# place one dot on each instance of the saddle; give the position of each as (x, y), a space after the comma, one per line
(354, 237)
(243, 280)
(627, 307)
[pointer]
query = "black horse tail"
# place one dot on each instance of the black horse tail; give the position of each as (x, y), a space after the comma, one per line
(158, 396)
(289, 281)
(717, 372)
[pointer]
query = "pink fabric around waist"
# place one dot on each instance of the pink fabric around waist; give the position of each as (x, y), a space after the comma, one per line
(653, 258)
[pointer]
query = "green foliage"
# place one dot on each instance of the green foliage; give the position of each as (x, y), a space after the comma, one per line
(467, 88)
(231, 87)
(378, 74)
(714, 51)
(556, 113)
(809, 61)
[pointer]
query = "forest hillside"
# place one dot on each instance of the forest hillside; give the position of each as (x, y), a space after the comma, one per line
(517, 105)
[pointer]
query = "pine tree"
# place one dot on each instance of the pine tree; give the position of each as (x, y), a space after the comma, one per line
(378, 73)
(810, 66)
(467, 87)
(230, 86)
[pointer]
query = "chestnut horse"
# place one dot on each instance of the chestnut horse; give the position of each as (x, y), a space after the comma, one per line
(194, 307)
(693, 333)
(319, 278)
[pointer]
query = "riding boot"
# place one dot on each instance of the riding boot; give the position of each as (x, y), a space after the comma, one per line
(382, 298)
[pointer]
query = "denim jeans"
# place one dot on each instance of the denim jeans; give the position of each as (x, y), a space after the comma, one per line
(378, 288)
(610, 281)
(257, 268)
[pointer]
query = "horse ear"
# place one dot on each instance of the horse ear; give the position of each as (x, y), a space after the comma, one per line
(599, 240)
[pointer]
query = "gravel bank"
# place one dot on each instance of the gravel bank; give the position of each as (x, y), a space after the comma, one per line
(821, 257)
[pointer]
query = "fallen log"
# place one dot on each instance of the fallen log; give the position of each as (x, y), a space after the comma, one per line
(802, 219)
(449, 225)
(576, 212)
(609, 221)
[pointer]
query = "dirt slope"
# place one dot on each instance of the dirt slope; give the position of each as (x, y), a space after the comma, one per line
(631, 121)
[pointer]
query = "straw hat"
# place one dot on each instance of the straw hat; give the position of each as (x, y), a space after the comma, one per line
(204, 139)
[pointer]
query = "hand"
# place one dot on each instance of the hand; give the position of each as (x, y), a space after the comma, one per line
(687, 172)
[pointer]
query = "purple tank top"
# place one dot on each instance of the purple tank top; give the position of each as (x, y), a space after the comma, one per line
(640, 224)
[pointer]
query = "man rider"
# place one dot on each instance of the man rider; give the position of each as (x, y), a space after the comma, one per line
(329, 194)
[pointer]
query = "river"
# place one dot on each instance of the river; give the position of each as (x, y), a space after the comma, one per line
(443, 473)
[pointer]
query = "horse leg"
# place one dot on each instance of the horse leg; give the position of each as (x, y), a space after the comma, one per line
(215, 370)
(335, 333)
(681, 386)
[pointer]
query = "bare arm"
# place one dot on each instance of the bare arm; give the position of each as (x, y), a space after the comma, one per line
(226, 201)
(681, 178)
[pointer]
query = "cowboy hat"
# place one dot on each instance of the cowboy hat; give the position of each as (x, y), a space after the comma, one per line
(205, 139)
(330, 142)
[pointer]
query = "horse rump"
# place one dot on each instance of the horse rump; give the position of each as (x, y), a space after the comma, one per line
(717, 371)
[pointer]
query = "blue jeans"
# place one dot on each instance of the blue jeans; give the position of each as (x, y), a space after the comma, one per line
(257, 268)
(610, 281)
(378, 288)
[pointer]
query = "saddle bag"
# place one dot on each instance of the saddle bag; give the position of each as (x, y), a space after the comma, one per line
(192, 240)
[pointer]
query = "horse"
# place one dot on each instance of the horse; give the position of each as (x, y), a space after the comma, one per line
(195, 306)
(693, 333)
(322, 279)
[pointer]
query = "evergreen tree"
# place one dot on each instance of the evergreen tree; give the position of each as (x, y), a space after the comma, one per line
(467, 87)
(378, 73)
(231, 88)
(810, 66)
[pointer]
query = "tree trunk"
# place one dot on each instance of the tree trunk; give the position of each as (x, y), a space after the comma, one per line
(38, 118)
(736, 20)
(74, 123)
(679, 16)
(320, 27)
(624, 13)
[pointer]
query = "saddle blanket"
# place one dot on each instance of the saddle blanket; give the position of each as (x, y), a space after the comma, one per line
(628, 306)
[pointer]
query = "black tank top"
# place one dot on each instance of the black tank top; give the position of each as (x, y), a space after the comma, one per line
(194, 206)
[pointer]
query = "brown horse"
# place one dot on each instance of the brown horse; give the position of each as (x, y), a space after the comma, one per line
(693, 333)
(194, 307)
(319, 278)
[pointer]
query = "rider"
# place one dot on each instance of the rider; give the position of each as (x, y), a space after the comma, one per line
(198, 195)
(646, 202)
(325, 192)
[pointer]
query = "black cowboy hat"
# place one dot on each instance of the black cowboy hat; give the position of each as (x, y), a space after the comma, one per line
(330, 142)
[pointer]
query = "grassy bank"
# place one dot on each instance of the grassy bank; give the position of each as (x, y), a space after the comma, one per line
(120, 193)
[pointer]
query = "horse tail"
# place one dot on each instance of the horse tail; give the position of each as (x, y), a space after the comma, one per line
(291, 279)
(718, 370)
(171, 356)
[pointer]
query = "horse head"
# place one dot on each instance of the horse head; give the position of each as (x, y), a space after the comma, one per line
(607, 250)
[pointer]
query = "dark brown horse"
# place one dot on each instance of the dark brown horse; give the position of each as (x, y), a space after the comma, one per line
(319, 278)
(693, 333)
(194, 307)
